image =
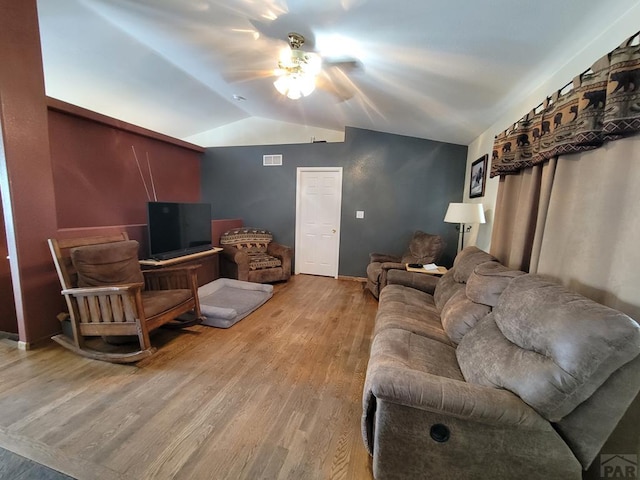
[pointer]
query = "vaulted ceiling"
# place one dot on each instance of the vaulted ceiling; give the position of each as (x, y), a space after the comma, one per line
(438, 69)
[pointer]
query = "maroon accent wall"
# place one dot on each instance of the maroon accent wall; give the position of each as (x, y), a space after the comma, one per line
(96, 177)
(218, 227)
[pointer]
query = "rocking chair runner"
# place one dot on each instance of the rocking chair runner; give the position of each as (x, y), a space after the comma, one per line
(97, 306)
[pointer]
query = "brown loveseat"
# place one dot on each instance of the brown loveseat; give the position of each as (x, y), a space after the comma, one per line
(497, 374)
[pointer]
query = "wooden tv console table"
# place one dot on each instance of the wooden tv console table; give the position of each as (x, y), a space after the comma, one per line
(208, 260)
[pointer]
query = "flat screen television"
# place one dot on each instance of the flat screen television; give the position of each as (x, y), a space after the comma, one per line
(177, 229)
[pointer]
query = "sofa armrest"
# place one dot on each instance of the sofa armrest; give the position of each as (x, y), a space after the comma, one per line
(457, 398)
(420, 281)
(234, 254)
(234, 263)
(445, 396)
(392, 266)
(383, 257)
(385, 267)
(405, 408)
(280, 251)
(284, 253)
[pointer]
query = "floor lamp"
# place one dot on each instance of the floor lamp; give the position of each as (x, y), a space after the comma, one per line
(464, 214)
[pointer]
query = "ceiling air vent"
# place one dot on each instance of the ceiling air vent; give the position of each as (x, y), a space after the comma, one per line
(272, 160)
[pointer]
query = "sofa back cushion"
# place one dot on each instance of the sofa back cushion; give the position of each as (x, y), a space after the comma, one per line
(552, 347)
(460, 314)
(454, 279)
(424, 248)
(488, 281)
(466, 262)
(445, 289)
(105, 264)
(251, 240)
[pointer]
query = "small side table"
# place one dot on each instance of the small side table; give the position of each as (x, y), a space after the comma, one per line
(439, 272)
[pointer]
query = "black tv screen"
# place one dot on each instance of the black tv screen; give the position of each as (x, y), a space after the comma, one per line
(177, 229)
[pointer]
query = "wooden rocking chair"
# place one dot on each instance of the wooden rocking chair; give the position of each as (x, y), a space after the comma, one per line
(99, 308)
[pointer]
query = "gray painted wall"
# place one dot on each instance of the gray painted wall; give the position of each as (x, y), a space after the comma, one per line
(402, 183)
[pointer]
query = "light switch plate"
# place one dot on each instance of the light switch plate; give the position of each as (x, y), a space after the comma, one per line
(359, 213)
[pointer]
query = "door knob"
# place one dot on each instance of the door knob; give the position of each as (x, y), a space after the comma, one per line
(333, 230)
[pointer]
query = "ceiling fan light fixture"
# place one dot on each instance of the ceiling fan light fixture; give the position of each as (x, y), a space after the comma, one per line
(295, 87)
(297, 69)
(307, 84)
(282, 84)
(294, 93)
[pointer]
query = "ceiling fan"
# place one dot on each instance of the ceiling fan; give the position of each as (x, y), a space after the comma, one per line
(299, 70)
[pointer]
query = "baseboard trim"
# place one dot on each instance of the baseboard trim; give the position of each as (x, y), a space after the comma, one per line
(352, 279)
(9, 336)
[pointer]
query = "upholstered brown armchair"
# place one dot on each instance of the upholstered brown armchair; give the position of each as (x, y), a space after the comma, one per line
(251, 255)
(423, 248)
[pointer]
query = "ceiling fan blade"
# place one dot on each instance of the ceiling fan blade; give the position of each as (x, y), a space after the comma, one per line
(337, 83)
(240, 76)
(345, 64)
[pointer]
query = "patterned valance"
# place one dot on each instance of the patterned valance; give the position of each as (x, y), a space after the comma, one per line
(604, 104)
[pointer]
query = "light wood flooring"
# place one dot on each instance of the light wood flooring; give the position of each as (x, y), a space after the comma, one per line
(276, 396)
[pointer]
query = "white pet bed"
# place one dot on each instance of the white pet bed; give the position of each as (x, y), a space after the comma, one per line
(224, 301)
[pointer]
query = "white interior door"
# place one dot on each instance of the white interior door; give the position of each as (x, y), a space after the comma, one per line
(318, 205)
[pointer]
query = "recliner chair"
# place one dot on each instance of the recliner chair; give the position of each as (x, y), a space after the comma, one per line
(423, 248)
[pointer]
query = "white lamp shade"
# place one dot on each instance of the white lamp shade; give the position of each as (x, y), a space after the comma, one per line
(465, 213)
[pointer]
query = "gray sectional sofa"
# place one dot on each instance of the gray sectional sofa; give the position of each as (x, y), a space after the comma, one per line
(494, 373)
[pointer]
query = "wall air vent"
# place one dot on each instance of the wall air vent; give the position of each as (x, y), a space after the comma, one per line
(272, 160)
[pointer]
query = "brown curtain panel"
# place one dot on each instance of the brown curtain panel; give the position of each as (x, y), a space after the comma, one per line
(602, 105)
(593, 225)
(522, 204)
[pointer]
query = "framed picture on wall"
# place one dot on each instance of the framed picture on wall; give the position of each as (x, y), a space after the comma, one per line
(478, 177)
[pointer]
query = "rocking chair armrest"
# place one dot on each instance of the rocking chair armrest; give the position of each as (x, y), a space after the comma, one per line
(107, 290)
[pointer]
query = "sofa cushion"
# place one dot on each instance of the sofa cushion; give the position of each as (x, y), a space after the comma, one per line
(488, 281)
(550, 346)
(464, 267)
(411, 310)
(251, 240)
(465, 252)
(423, 248)
(460, 315)
(415, 352)
(445, 289)
(259, 261)
(104, 264)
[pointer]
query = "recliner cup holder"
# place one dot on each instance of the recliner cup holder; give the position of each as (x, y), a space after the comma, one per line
(440, 433)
